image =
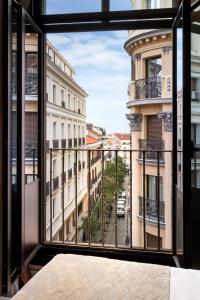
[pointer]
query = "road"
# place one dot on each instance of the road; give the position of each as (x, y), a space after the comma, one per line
(123, 224)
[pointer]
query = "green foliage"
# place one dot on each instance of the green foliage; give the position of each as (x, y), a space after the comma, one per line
(109, 198)
(94, 227)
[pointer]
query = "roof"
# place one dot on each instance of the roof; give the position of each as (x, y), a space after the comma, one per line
(122, 136)
(90, 140)
(94, 132)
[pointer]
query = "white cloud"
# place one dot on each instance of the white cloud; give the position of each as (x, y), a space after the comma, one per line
(103, 69)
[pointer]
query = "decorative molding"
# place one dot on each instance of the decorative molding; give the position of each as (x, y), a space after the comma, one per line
(167, 49)
(135, 121)
(167, 119)
(138, 56)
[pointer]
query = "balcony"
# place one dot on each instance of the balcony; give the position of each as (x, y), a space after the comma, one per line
(75, 142)
(79, 141)
(69, 143)
(55, 144)
(55, 183)
(31, 84)
(150, 211)
(63, 143)
(150, 88)
(151, 149)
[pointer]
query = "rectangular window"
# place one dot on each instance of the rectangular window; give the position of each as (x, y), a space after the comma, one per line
(153, 67)
(54, 130)
(69, 101)
(152, 187)
(54, 93)
(63, 130)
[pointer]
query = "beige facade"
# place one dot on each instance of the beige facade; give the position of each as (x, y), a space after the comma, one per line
(150, 105)
(65, 129)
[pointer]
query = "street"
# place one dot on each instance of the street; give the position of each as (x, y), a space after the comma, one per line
(123, 224)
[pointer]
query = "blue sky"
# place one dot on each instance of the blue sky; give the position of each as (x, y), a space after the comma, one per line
(101, 63)
(76, 6)
(103, 69)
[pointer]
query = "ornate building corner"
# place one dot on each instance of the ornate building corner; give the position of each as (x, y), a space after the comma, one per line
(135, 121)
(167, 119)
(167, 49)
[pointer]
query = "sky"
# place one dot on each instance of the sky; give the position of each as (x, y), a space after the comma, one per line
(102, 66)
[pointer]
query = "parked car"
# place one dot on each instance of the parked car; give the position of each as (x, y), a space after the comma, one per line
(120, 211)
(121, 201)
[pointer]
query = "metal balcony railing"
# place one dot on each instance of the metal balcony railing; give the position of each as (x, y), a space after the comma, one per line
(55, 144)
(151, 148)
(75, 142)
(103, 222)
(31, 84)
(63, 143)
(69, 143)
(150, 87)
(149, 209)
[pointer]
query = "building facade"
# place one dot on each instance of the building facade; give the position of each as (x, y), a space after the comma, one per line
(65, 134)
(150, 106)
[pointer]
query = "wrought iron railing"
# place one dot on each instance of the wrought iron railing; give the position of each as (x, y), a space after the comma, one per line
(99, 194)
(63, 143)
(55, 143)
(69, 143)
(151, 148)
(75, 142)
(150, 207)
(31, 84)
(150, 87)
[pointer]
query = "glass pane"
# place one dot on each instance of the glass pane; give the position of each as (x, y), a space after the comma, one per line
(14, 228)
(72, 6)
(195, 97)
(179, 194)
(31, 104)
(141, 4)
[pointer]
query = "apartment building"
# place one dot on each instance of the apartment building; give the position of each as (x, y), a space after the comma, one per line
(150, 106)
(121, 142)
(65, 130)
(94, 163)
